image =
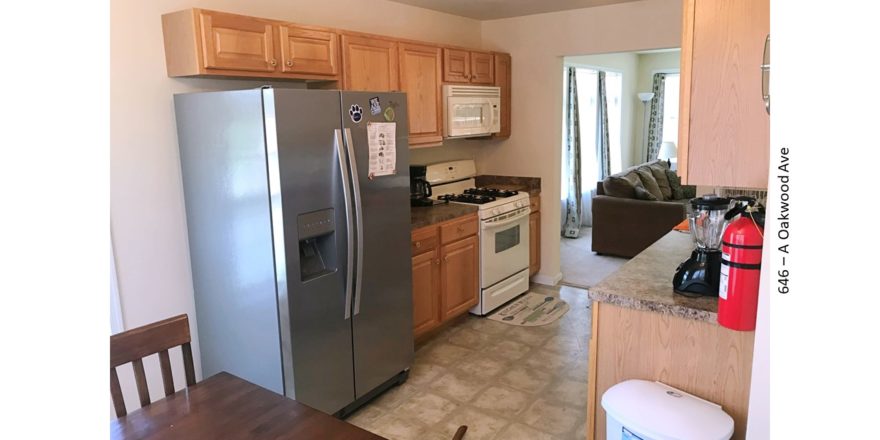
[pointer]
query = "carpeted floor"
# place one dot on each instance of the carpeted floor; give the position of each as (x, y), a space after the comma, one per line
(581, 266)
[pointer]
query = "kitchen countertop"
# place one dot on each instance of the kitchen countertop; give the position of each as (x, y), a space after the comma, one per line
(532, 185)
(645, 282)
(422, 216)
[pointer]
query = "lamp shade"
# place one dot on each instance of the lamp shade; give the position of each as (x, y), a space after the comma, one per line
(646, 96)
(667, 151)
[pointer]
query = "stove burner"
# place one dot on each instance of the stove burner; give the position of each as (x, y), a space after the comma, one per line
(491, 192)
(467, 198)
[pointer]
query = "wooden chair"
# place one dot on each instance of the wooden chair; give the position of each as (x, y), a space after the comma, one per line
(135, 344)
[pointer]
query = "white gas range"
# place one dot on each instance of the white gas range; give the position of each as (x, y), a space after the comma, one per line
(504, 230)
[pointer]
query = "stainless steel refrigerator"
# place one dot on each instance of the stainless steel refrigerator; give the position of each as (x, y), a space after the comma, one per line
(300, 258)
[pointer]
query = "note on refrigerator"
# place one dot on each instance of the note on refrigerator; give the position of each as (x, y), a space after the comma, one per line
(383, 149)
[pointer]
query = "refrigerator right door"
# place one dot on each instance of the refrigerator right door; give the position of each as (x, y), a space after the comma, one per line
(317, 328)
(382, 310)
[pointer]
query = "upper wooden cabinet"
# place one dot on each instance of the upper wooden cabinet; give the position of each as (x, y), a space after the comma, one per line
(369, 64)
(468, 67)
(420, 70)
(503, 80)
(724, 131)
(305, 50)
(200, 42)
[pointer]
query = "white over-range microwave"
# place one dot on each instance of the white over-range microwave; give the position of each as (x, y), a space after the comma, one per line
(471, 110)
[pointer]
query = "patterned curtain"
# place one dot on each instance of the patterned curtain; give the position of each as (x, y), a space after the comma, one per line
(603, 143)
(655, 124)
(573, 206)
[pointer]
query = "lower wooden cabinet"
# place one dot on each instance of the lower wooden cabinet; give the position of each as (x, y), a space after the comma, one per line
(446, 274)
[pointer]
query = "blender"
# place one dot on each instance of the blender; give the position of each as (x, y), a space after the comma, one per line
(699, 274)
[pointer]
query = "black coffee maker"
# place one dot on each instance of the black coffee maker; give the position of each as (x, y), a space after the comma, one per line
(699, 274)
(419, 187)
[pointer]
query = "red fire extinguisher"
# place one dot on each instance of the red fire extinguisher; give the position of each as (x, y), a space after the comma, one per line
(741, 247)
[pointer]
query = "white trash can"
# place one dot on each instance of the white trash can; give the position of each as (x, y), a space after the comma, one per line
(645, 410)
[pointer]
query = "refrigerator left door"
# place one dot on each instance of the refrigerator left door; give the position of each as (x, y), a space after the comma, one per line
(223, 168)
(303, 129)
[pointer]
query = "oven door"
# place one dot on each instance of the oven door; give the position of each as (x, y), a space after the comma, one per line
(504, 246)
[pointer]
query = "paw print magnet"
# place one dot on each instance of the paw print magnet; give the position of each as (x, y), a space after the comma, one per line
(356, 113)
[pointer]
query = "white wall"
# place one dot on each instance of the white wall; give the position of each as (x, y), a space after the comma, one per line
(628, 64)
(649, 64)
(537, 44)
(147, 218)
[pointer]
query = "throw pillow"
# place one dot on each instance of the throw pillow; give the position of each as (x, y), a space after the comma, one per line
(649, 182)
(675, 185)
(621, 185)
(643, 194)
(659, 172)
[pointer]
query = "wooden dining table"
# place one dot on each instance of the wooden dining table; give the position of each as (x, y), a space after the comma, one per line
(225, 406)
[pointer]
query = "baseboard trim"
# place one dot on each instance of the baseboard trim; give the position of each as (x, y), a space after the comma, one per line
(547, 280)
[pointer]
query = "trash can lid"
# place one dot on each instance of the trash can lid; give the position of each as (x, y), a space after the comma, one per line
(661, 412)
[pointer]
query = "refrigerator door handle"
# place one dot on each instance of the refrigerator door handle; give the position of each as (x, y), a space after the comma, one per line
(358, 208)
(349, 220)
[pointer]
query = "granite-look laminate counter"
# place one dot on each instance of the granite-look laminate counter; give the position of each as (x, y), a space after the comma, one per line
(645, 282)
(532, 185)
(422, 216)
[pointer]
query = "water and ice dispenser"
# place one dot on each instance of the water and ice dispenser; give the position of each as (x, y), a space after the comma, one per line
(317, 243)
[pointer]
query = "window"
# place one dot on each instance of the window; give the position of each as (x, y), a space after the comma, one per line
(670, 107)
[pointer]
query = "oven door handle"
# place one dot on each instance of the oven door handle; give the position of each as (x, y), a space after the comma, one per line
(492, 225)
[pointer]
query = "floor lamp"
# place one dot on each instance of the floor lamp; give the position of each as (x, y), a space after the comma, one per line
(645, 97)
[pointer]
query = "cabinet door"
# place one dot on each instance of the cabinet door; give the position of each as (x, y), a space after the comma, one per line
(420, 70)
(460, 277)
(456, 66)
(369, 64)
(309, 51)
(426, 292)
(236, 42)
(726, 135)
(482, 68)
(534, 243)
(503, 80)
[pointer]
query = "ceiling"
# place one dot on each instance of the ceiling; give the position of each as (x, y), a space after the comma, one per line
(493, 9)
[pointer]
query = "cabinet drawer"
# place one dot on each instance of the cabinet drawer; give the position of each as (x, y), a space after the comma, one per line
(424, 240)
(535, 203)
(458, 229)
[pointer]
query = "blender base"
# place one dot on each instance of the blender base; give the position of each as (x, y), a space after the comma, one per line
(698, 275)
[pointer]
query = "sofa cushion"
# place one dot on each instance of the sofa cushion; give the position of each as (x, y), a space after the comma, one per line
(643, 194)
(621, 185)
(649, 182)
(658, 169)
(675, 185)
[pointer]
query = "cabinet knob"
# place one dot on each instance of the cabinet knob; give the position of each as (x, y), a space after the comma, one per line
(273, 62)
(418, 244)
(289, 63)
(437, 261)
(446, 258)
(460, 228)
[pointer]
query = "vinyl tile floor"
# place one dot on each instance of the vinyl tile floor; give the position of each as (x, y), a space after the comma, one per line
(502, 381)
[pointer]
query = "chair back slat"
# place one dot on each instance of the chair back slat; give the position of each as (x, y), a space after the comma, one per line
(188, 364)
(167, 377)
(140, 378)
(135, 344)
(116, 393)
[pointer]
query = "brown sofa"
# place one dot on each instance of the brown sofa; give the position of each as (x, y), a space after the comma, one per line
(626, 226)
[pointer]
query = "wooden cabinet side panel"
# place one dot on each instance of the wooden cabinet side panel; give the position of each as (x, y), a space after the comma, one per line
(503, 79)
(421, 79)
(729, 128)
(534, 243)
(182, 44)
(703, 359)
(684, 98)
(460, 276)
(369, 64)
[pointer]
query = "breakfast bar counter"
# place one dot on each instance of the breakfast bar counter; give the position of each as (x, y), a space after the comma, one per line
(645, 282)
(641, 329)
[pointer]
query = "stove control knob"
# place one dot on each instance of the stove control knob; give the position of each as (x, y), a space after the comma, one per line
(496, 211)
(519, 204)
